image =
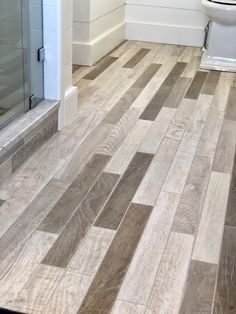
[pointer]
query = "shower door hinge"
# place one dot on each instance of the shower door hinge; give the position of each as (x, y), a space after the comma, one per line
(41, 54)
(32, 101)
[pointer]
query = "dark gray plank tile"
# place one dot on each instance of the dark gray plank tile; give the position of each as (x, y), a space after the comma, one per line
(2, 202)
(120, 199)
(136, 58)
(175, 73)
(178, 93)
(29, 220)
(70, 200)
(225, 151)
(196, 86)
(231, 208)
(100, 68)
(230, 113)
(225, 298)
(157, 102)
(154, 107)
(117, 112)
(211, 82)
(68, 241)
(106, 284)
(189, 211)
(148, 74)
(129, 97)
(199, 292)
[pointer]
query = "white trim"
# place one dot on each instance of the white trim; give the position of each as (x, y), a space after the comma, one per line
(90, 53)
(164, 33)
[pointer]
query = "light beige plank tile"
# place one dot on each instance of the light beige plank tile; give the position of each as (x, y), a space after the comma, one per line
(142, 272)
(192, 67)
(191, 204)
(118, 134)
(222, 92)
(17, 270)
(200, 113)
(209, 236)
(169, 286)
(178, 174)
(38, 290)
(151, 185)
(121, 307)
(69, 294)
(210, 134)
(91, 252)
(127, 150)
(177, 127)
(225, 151)
(157, 131)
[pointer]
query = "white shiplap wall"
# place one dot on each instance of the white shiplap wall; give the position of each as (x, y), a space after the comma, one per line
(99, 26)
(165, 21)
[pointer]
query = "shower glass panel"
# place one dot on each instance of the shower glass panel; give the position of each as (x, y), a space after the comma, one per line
(21, 73)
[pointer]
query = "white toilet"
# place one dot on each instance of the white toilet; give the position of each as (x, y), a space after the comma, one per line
(220, 50)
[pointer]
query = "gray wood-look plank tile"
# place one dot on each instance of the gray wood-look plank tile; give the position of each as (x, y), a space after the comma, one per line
(75, 230)
(211, 82)
(38, 290)
(100, 68)
(190, 207)
(105, 286)
(225, 297)
(210, 231)
(196, 86)
(199, 291)
(91, 252)
(121, 307)
(178, 93)
(136, 58)
(142, 272)
(117, 205)
(181, 120)
(69, 294)
(230, 113)
(30, 219)
(178, 173)
(2, 202)
(210, 135)
(146, 76)
(71, 199)
(157, 102)
(225, 151)
(122, 105)
(15, 272)
(231, 209)
(120, 161)
(192, 67)
(157, 131)
(168, 289)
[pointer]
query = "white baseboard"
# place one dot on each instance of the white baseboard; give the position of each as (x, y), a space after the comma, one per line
(90, 53)
(169, 34)
(69, 108)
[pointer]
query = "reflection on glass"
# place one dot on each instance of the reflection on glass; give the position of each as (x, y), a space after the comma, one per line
(12, 98)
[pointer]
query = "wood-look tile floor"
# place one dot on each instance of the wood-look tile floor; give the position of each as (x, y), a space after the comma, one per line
(124, 210)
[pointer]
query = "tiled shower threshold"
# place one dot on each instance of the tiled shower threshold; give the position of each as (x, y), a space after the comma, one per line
(24, 135)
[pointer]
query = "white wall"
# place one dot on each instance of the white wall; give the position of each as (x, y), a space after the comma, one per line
(99, 26)
(58, 63)
(165, 21)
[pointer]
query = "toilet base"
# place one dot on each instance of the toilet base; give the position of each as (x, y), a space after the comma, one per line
(217, 64)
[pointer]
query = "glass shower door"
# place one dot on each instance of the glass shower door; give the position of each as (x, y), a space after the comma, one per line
(21, 64)
(12, 82)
